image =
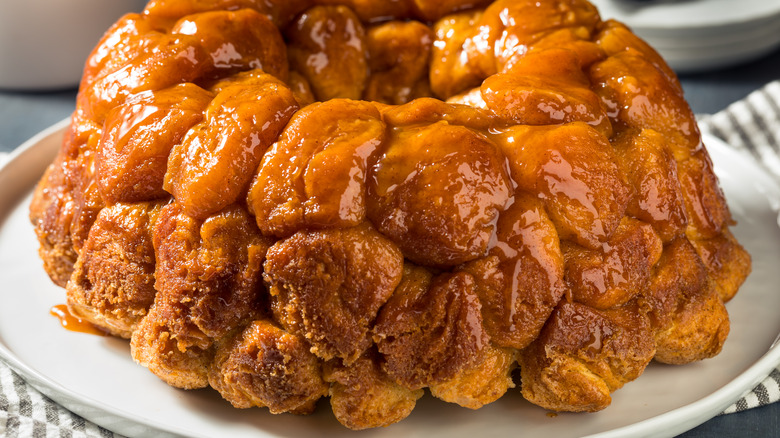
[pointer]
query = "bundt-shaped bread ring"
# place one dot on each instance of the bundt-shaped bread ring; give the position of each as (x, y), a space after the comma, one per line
(361, 199)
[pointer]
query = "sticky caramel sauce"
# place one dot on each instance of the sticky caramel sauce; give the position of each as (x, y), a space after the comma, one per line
(73, 322)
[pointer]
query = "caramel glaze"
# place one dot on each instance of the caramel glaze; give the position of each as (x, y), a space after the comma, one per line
(429, 191)
(74, 323)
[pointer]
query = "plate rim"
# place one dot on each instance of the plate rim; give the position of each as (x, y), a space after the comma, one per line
(671, 422)
(722, 23)
(80, 404)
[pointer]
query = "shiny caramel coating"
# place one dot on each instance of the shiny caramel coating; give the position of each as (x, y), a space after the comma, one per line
(236, 41)
(66, 200)
(651, 169)
(266, 366)
(194, 50)
(327, 45)
(301, 89)
(545, 87)
(281, 12)
(87, 201)
(362, 396)
(266, 198)
(426, 111)
(521, 280)
(431, 328)
(429, 11)
(450, 73)
(614, 37)
(637, 94)
(583, 354)
(425, 178)
(619, 270)
(113, 280)
(689, 319)
(727, 262)
(398, 54)
(573, 169)
(315, 175)
(131, 35)
(165, 61)
(572, 39)
(370, 11)
(708, 214)
(212, 166)
(432, 10)
(507, 35)
(476, 46)
(138, 136)
(471, 98)
(82, 138)
(328, 286)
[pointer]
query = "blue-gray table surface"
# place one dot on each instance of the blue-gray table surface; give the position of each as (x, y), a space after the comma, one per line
(23, 114)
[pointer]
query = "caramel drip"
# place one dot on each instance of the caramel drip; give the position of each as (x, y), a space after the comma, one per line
(74, 323)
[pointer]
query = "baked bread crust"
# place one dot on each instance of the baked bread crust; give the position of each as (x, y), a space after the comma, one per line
(360, 199)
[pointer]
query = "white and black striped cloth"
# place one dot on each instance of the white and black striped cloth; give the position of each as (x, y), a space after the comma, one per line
(26, 413)
(752, 124)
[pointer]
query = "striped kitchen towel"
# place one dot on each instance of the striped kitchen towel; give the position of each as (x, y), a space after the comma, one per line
(753, 126)
(26, 413)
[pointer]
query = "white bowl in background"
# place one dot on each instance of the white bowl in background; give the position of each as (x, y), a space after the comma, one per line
(701, 35)
(44, 43)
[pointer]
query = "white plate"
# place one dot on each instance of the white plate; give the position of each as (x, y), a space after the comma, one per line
(96, 378)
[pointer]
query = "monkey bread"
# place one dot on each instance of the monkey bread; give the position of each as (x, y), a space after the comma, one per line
(287, 200)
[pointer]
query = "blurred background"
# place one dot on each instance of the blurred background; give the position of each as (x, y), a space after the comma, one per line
(721, 49)
(43, 47)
